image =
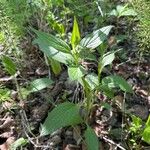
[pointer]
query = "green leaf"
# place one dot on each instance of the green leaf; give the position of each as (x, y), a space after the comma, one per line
(57, 50)
(52, 41)
(107, 59)
(9, 65)
(65, 114)
(56, 67)
(92, 80)
(107, 90)
(91, 139)
(136, 121)
(146, 135)
(76, 73)
(129, 12)
(40, 84)
(18, 143)
(148, 121)
(93, 40)
(75, 38)
(117, 81)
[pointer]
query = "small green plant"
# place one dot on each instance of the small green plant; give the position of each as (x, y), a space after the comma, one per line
(74, 56)
(122, 11)
(4, 94)
(139, 130)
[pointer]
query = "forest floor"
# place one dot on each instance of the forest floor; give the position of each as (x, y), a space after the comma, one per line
(23, 118)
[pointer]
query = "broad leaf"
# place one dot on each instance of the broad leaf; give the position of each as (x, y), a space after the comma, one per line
(65, 114)
(40, 84)
(107, 90)
(146, 135)
(56, 67)
(76, 73)
(9, 65)
(53, 41)
(96, 38)
(75, 38)
(117, 81)
(92, 80)
(91, 139)
(57, 50)
(107, 59)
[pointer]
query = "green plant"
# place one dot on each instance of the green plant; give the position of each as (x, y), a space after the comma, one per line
(122, 11)
(73, 57)
(13, 15)
(139, 130)
(142, 7)
(4, 94)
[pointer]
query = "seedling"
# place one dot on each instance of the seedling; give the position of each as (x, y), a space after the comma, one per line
(80, 50)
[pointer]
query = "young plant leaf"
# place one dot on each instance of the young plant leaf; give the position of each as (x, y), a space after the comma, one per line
(57, 50)
(91, 139)
(18, 143)
(92, 80)
(146, 135)
(76, 73)
(93, 40)
(107, 59)
(40, 84)
(148, 121)
(9, 65)
(65, 114)
(117, 81)
(56, 67)
(53, 41)
(75, 38)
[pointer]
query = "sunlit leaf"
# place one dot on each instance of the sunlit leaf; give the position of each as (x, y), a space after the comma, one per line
(75, 73)
(92, 80)
(53, 41)
(146, 135)
(93, 40)
(117, 81)
(53, 47)
(65, 114)
(107, 59)
(40, 84)
(75, 38)
(18, 143)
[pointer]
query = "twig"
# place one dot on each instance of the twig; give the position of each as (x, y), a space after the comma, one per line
(112, 142)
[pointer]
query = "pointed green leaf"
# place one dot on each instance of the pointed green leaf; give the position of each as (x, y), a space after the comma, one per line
(75, 73)
(56, 67)
(53, 47)
(52, 41)
(91, 139)
(146, 135)
(75, 38)
(148, 121)
(9, 65)
(40, 84)
(93, 40)
(65, 114)
(107, 59)
(117, 81)
(92, 80)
